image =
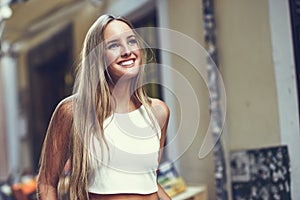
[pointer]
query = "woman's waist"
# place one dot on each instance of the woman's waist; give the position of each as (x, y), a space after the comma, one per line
(152, 196)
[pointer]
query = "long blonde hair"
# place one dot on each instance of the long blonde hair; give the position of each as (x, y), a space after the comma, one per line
(92, 101)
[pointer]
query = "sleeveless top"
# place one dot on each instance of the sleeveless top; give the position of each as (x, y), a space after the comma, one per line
(127, 163)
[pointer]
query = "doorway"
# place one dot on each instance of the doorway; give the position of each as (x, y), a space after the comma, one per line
(49, 65)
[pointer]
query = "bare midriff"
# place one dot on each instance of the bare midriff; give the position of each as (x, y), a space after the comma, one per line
(152, 196)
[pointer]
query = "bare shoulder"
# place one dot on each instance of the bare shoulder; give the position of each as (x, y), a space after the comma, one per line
(160, 110)
(58, 132)
(160, 106)
(64, 109)
(66, 103)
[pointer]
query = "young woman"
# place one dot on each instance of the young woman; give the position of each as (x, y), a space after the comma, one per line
(107, 138)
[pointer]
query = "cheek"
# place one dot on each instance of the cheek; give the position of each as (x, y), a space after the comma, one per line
(139, 55)
(110, 57)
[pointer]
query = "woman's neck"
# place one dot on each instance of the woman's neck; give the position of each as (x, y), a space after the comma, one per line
(122, 97)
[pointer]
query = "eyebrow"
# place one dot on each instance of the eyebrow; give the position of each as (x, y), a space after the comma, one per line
(112, 41)
(130, 36)
(116, 40)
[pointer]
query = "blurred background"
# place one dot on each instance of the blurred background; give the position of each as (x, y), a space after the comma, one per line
(255, 44)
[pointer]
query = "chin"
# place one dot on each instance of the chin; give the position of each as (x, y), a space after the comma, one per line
(131, 74)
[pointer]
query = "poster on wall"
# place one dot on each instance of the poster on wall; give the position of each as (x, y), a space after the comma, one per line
(260, 174)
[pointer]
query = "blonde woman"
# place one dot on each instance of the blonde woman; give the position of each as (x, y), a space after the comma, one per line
(107, 138)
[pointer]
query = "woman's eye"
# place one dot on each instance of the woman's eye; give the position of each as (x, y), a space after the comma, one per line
(113, 46)
(132, 42)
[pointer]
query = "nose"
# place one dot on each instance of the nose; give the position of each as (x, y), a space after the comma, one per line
(125, 51)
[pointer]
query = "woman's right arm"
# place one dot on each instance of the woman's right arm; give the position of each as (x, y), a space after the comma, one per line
(55, 152)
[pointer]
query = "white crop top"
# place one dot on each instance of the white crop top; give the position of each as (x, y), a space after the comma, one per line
(130, 162)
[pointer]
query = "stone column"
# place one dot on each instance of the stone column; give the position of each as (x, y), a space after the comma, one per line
(9, 106)
(3, 138)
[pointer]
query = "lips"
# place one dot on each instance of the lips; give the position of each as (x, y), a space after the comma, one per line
(126, 63)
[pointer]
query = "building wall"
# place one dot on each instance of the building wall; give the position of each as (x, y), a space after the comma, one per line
(245, 55)
(246, 64)
(186, 17)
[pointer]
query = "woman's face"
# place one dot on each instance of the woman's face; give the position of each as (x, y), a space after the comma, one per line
(122, 53)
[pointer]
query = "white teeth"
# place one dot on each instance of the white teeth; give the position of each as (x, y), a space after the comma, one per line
(128, 62)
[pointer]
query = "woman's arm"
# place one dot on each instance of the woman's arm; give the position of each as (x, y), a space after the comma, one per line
(55, 151)
(162, 114)
(46, 191)
(162, 193)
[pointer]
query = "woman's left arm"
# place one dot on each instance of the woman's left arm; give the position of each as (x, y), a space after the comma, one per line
(162, 113)
(162, 193)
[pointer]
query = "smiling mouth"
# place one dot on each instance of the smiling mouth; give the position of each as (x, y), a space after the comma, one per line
(127, 63)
